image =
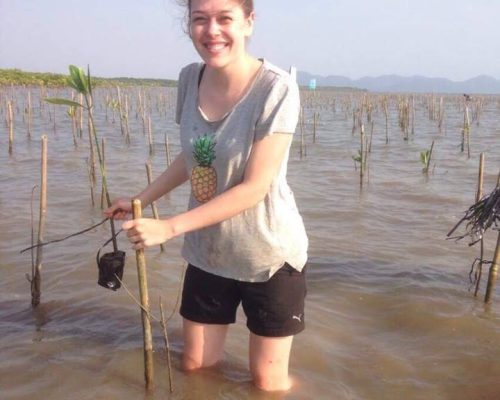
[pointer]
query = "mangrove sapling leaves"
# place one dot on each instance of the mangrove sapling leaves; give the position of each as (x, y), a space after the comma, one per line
(62, 102)
(77, 79)
(424, 157)
(89, 85)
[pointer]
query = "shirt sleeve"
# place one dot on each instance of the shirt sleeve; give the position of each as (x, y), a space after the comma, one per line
(181, 95)
(280, 113)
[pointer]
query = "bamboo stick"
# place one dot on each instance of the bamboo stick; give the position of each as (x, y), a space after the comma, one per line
(81, 116)
(11, 127)
(127, 131)
(167, 149)
(122, 129)
(153, 204)
(479, 194)
(167, 348)
(103, 189)
(493, 275)
(361, 153)
(36, 280)
(90, 182)
(92, 160)
(468, 131)
(144, 297)
(302, 138)
(29, 114)
(315, 118)
(386, 112)
(150, 136)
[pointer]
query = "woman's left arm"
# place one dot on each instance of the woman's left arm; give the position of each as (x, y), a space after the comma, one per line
(263, 165)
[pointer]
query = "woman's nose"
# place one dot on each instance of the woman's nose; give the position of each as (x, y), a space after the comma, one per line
(213, 27)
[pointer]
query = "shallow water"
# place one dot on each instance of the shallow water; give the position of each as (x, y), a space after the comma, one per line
(389, 314)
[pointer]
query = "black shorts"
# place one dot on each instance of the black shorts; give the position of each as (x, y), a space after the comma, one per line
(274, 308)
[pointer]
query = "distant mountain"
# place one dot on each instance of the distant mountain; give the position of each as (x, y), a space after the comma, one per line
(395, 83)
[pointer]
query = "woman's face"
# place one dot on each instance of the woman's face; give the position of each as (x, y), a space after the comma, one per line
(219, 29)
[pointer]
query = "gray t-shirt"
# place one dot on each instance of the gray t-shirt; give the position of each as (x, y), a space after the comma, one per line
(254, 244)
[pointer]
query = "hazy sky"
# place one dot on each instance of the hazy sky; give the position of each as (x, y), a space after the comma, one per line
(456, 39)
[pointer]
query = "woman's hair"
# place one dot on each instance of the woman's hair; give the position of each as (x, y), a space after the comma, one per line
(246, 5)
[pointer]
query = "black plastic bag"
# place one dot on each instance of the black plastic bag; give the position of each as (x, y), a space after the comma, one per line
(110, 266)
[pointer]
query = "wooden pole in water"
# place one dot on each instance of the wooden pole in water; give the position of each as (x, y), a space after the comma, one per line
(29, 114)
(361, 154)
(103, 188)
(11, 127)
(167, 149)
(144, 297)
(315, 119)
(153, 204)
(150, 136)
(167, 347)
(479, 194)
(36, 279)
(493, 275)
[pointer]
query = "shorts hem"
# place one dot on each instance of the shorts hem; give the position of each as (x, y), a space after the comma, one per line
(204, 320)
(259, 331)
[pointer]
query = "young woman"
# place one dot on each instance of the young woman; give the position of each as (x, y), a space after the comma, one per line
(244, 239)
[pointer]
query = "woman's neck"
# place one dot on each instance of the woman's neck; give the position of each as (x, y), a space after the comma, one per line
(233, 76)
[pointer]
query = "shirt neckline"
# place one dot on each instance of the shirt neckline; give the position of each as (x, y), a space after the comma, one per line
(242, 98)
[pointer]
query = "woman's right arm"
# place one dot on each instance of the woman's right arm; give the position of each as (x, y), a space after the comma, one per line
(175, 175)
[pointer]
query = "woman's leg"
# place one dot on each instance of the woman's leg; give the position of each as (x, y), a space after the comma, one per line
(269, 358)
(203, 344)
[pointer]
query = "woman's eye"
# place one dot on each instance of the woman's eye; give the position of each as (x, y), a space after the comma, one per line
(225, 19)
(197, 20)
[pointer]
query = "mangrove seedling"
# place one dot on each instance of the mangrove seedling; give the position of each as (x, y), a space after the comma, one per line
(83, 85)
(425, 158)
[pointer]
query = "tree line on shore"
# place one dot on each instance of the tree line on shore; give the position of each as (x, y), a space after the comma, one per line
(22, 78)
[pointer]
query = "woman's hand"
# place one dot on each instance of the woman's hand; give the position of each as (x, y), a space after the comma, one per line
(120, 208)
(147, 232)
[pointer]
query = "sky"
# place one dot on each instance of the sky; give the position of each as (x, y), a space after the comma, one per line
(453, 39)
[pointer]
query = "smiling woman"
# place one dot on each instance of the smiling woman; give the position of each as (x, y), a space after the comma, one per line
(244, 241)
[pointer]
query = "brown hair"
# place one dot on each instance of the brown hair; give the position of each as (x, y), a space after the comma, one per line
(246, 5)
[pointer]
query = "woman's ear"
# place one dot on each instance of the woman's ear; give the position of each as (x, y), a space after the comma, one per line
(250, 20)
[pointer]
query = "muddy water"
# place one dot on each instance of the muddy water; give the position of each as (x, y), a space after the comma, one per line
(389, 314)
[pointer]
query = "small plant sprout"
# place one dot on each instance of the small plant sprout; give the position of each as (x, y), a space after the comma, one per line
(425, 158)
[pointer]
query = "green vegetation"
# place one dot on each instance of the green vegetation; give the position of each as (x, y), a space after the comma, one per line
(20, 78)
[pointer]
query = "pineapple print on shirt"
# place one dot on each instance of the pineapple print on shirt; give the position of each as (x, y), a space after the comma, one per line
(204, 176)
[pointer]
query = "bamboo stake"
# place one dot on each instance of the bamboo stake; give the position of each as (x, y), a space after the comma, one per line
(153, 204)
(55, 126)
(167, 149)
(361, 153)
(315, 118)
(493, 275)
(29, 114)
(479, 194)
(144, 297)
(103, 189)
(120, 110)
(92, 152)
(412, 115)
(386, 112)
(127, 131)
(302, 138)
(167, 347)
(468, 131)
(90, 182)
(36, 279)
(81, 116)
(150, 136)
(11, 127)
